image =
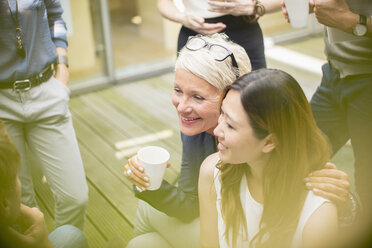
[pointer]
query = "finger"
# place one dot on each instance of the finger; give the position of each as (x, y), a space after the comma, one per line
(196, 20)
(338, 174)
(311, 6)
(194, 25)
(330, 189)
(332, 197)
(138, 178)
(213, 26)
(135, 163)
(328, 180)
(139, 182)
(218, 4)
(137, 171)
(330, 165)
(219, 10)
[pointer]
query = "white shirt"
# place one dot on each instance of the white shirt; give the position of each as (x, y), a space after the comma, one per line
(253, 213)
(199, 8)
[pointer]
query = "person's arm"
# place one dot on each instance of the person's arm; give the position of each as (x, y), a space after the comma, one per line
(35, 234)
(337, 14)
(271, 5)
(61, 69)
(57, 26)
(321, 229)
(243, 7)
(169, 11)
(182, 201)
(207, 202)
(58, 32)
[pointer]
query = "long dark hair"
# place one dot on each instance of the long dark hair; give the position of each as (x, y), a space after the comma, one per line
(275, 104)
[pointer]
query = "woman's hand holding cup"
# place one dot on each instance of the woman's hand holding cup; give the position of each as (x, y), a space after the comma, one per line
(136, 173)
(152, 160)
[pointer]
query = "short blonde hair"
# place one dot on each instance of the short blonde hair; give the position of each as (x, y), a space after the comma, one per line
(219, 74)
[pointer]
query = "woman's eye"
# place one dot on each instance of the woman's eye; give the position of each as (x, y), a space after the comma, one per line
(177, 90)
(199, 98)
(229, 126)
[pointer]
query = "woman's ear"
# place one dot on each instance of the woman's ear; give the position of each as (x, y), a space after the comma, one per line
(270, 143)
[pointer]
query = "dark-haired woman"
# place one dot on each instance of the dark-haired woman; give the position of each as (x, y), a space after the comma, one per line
(251, 191)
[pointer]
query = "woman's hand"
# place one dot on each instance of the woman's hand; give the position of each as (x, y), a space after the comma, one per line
(233, 7)
(329, 183)
(198, 24)
(136, 173)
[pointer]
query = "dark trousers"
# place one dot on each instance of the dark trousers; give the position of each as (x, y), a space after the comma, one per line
(342, 108)
(248, 35)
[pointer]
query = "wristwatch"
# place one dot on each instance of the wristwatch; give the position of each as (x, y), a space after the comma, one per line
(61, 59)
(361, 28)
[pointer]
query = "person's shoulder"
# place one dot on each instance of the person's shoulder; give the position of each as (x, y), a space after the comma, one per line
(321, 228)
(208, 166)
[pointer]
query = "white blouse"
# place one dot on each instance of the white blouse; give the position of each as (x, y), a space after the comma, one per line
(199, 8)
(253, 213)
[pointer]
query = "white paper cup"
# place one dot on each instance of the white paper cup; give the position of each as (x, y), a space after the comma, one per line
(298, 12)
(154, 160)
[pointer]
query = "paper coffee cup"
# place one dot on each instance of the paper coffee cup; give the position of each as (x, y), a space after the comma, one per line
(154, 160)
(298, 12)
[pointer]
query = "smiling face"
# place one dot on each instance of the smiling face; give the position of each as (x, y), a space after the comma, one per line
(196, 102)
(236, 141)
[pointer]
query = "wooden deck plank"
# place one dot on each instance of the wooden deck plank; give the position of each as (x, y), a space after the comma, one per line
(117, 193)
(100, 127)
(140, 117)
(93, 236)
(107, 153)
(155, 101)
(127, 124)
(106, 219)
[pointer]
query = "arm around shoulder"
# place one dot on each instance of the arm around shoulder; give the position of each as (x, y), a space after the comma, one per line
(207, 202)
(321, 230)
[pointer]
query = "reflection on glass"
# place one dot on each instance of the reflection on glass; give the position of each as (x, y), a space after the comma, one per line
(85, 39)
(274, 23)
(139, 33)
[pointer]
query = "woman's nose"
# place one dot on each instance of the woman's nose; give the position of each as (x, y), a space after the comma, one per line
(184, 106)
(218, 130)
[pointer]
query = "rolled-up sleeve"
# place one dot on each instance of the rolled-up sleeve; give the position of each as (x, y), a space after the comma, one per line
(57, 25)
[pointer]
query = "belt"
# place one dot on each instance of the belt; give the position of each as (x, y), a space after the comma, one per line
(26, 84)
